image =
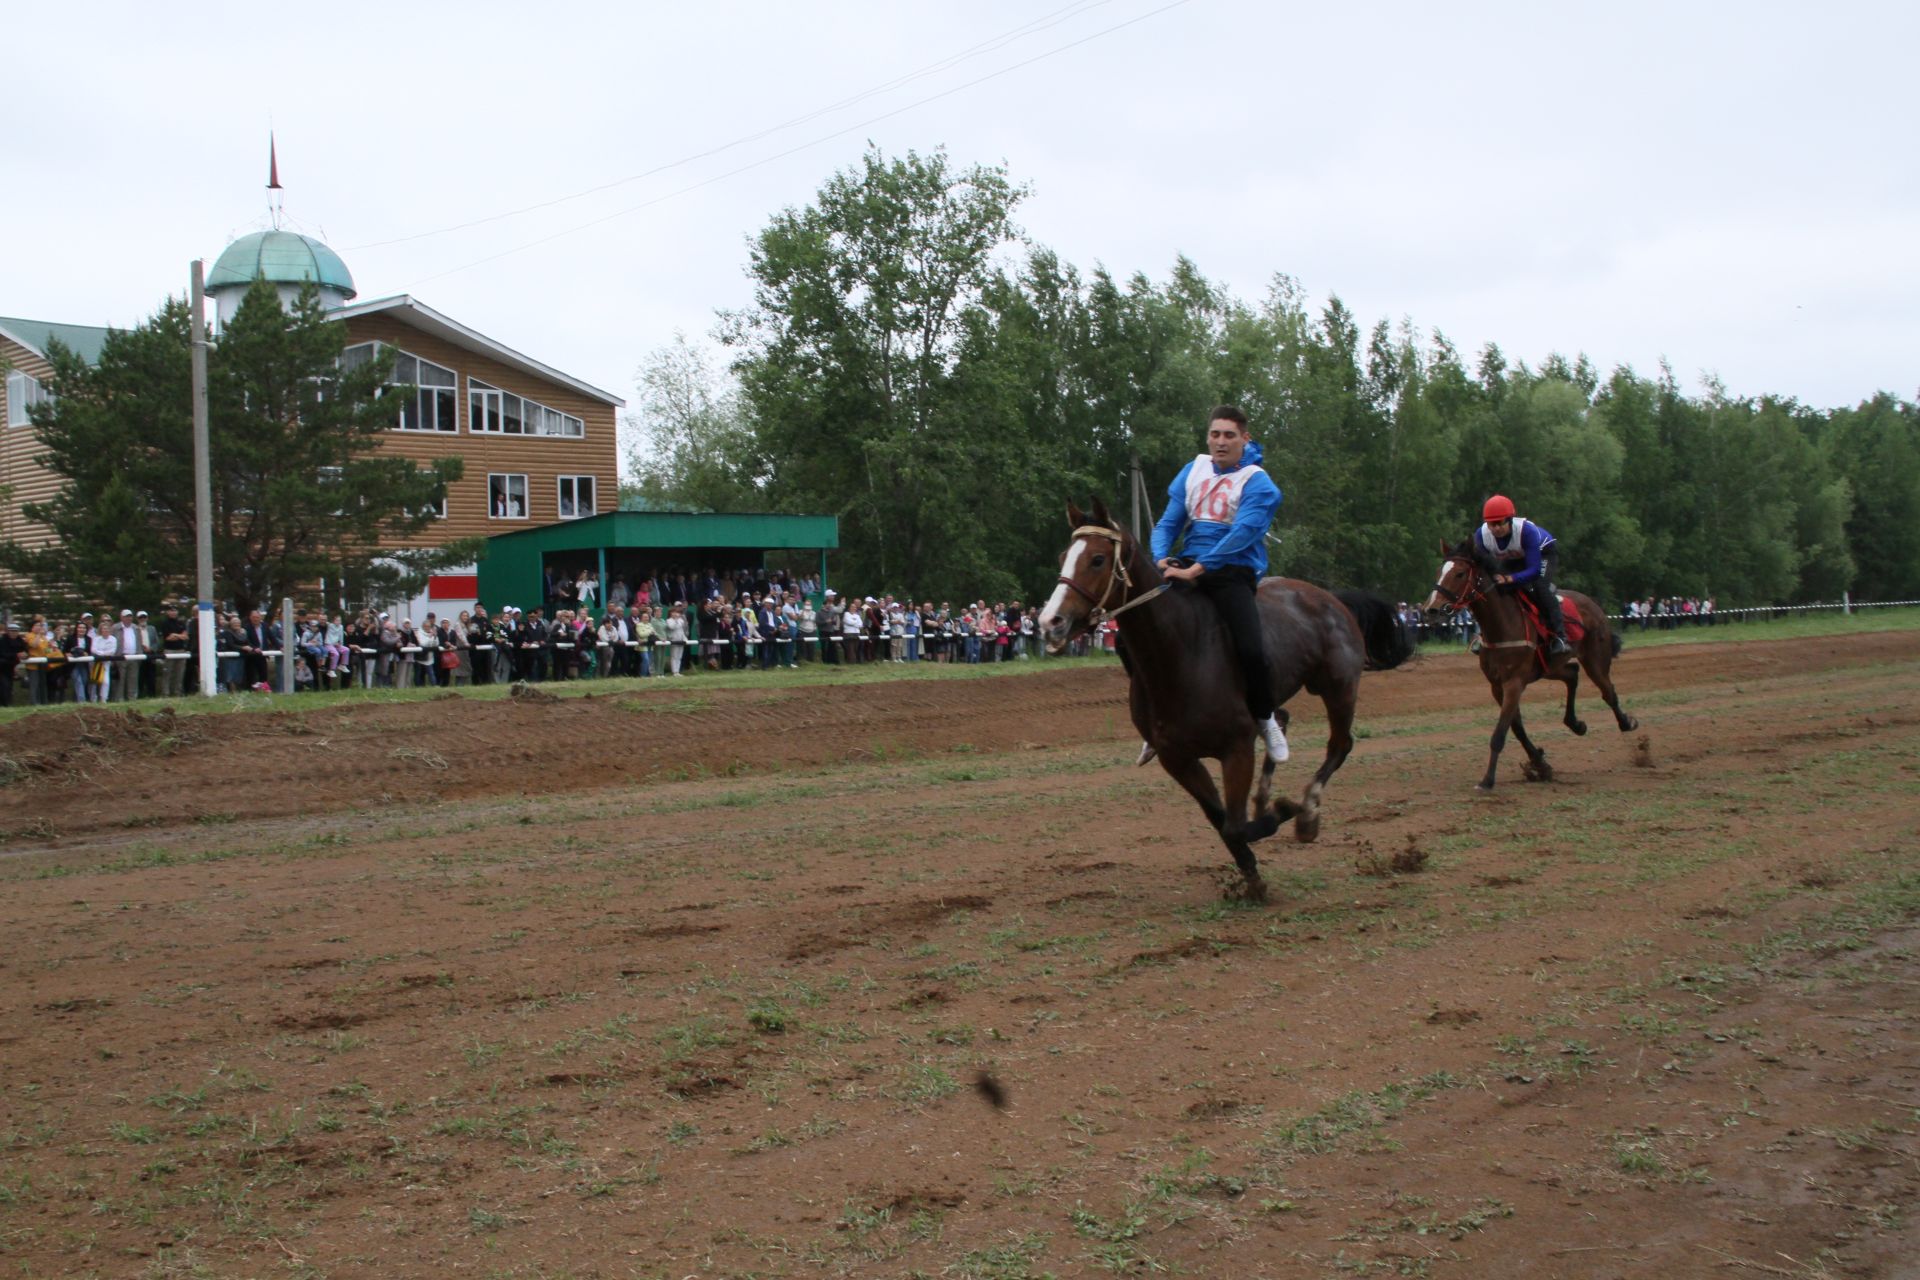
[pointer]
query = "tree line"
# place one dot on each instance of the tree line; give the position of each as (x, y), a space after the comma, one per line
(913, 365)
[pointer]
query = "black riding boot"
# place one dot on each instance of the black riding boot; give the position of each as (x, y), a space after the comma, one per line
(1547, 600)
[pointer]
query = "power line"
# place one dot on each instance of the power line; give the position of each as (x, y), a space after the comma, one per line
(796, 149)
(1044, 22)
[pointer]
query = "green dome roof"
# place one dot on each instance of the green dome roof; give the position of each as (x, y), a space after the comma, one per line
(282, 257)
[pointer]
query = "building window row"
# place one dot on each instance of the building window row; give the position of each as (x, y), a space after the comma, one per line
(507, 496)
(430, 403)
(492, 411)
(23, 392)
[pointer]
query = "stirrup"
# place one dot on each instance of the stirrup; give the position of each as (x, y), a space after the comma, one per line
(1147, 753)
(1558, 645)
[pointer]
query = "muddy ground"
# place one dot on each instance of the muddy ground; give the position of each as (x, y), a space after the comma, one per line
(921, 978)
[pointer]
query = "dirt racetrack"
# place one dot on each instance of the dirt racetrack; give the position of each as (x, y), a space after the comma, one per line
(919, 978)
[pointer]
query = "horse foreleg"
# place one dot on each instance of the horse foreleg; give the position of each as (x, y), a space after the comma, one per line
(1229, 819)
(1572, 720)
(1508, 696)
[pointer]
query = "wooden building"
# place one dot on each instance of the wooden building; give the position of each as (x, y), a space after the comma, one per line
(23, 359)
(539, 445)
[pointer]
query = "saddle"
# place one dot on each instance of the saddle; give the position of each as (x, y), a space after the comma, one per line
(1540, 633)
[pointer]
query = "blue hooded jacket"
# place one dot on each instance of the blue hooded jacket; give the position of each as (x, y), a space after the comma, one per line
(1211, 542)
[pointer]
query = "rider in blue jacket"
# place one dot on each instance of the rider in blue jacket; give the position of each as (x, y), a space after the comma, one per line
(1524, 557)
(1223, 503)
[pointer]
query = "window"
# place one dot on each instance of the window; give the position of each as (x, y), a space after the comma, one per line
(430, 406)
(438, 510)
(23, 392)
(542, 421)
(576, 496)
(429, 394)
(507, 497)
(495, 412)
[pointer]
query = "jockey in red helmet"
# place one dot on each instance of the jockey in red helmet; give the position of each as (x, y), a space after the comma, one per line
(1524, 557)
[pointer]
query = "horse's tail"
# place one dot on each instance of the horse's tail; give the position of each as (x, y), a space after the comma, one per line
(1389, 641)
(1619, 643)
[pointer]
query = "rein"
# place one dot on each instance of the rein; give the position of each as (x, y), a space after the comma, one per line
(1119, 576)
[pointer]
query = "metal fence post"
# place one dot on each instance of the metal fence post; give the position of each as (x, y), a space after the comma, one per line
(287, 639)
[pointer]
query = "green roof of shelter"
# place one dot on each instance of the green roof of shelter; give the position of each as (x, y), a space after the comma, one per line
(282, 257)
(661, 529)
(84, 340)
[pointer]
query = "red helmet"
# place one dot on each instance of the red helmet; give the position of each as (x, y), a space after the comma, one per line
(1499, 507)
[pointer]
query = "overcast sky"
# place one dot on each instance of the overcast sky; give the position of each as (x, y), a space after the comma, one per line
(1730, 186)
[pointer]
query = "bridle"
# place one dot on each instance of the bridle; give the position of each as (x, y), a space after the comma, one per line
(1458, 600)
(1118, 576)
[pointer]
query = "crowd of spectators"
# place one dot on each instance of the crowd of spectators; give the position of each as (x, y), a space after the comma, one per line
(658, 624)
(1665, 613)
(734, 622)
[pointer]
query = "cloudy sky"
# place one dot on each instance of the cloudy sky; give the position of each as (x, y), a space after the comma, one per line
(1729, 186)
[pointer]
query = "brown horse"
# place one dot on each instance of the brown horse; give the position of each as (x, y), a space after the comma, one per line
(1511, 660)
(1187, 697)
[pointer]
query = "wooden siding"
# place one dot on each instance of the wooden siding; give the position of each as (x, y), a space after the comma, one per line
(542, 459)
(21, 474)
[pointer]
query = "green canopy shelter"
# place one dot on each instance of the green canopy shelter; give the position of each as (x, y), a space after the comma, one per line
(632, 543)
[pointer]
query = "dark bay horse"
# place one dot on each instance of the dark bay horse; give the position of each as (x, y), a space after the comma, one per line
(1187, 697)
(1511, 660)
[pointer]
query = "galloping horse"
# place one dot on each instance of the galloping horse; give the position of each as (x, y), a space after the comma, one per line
(1187, 698)
(1511, 659)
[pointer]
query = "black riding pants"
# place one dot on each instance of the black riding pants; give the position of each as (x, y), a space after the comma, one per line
(1230, 587)
(1544, 597)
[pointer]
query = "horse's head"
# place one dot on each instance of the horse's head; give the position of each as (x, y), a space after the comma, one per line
(1092, 575)
(1461, 582)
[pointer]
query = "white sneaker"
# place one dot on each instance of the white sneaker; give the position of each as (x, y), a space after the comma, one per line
(1276, 740)
(1147, 753)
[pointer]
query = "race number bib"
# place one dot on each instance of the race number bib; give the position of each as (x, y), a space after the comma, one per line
(1213, 496)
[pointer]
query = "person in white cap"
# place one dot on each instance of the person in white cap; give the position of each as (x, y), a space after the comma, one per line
(850, 631)
(105, 647)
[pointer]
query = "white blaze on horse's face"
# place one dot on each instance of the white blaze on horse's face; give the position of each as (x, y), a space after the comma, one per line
(1435, 604)
(1050, 618)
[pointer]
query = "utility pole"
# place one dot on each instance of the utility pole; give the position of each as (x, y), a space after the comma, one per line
(202, 491)
(1133, 485)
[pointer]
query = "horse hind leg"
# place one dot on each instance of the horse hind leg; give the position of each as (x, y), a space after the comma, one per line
(1536, 769)
(1572, 719)
(1340, 707)
(1602, 673)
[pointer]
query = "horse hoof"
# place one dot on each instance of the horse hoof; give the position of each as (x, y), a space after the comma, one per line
(1579, 728)
(1306, 828)
(1484, 788)
(1629, 724)
(1253, 889)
